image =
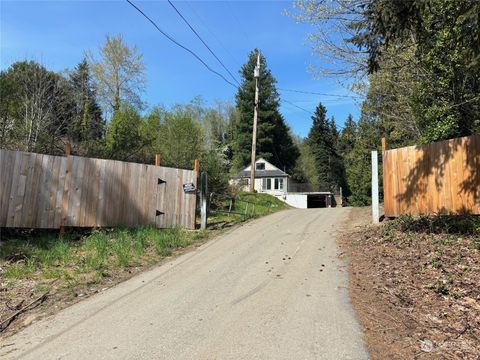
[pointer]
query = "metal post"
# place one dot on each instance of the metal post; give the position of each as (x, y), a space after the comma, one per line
(203, 200)
(375, 203)
(256, 74)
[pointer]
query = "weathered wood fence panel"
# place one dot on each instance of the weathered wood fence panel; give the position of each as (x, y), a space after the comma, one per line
(44, 191)
(442, 177)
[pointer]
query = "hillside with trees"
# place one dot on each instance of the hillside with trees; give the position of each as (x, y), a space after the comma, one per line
(415, 62)
(98, 108)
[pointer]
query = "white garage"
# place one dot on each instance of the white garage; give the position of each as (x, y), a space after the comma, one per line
(309, 200)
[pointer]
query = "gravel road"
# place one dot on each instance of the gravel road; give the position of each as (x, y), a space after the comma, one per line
(273, 288)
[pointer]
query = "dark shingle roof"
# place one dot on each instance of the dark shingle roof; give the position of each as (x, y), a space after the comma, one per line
(262, 173)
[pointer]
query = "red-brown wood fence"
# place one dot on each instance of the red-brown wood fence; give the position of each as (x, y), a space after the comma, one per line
(442, 177)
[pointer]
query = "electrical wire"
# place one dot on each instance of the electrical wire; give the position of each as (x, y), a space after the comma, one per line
(209, 29)
(298, 107)
(215, 72)
(309, 112)
(203, 42)
(323, 94)
(180, 45)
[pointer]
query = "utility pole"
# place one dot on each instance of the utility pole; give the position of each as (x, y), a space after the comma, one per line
(256, 75)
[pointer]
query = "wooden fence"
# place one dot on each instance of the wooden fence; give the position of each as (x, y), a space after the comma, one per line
(438, 178)
(44, 191)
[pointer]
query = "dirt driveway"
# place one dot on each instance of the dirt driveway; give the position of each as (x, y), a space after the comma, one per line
(271, 289)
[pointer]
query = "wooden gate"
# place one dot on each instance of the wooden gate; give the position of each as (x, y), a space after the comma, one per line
(437, 178)
(44, 191)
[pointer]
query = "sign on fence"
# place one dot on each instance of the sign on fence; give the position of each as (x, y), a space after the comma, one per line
(44, 191)
(442, 177)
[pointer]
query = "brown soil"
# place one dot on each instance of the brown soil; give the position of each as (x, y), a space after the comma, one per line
(416, 294)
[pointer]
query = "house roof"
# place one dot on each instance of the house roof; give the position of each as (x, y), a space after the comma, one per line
(262, 173)
(245, 173)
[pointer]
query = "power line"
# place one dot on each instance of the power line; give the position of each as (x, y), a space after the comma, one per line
(212, 70)
(323, 94)
(180, 45)
(209, 29)
(203, 42)
(298, 107)
(309, 112)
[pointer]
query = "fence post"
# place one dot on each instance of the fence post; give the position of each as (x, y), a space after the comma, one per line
(203, 200)
(157, 159)
(375, 203)
(384, 145)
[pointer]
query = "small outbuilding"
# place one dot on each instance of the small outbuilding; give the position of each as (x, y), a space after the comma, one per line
(310, 200)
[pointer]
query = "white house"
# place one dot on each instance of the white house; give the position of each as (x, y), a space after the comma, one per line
(271, 180)
(268, 178)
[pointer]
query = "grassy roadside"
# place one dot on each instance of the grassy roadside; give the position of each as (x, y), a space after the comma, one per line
(247, 206)
(414, 285)
(80, 264)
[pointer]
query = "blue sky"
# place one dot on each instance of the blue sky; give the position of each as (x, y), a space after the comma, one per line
(56, 34)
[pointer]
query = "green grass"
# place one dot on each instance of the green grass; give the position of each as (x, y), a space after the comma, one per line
(93, 256)
(88, 257)
(246, 206)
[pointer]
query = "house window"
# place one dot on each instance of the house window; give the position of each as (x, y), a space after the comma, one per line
(278, 184)
(260, 166)
(267, 184)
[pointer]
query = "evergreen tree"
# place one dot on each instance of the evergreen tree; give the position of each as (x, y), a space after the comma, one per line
(274, 142)
(323, 145)
(347, 136)
(358, 161)
(338, 177)
(319, 144)
(87, 124)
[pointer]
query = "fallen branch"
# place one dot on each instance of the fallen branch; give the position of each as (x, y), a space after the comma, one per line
(5, 323)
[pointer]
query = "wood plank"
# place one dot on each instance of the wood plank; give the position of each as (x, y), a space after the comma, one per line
(92, 200)
(52, 201)
(127, 210)
(72, 191)
(14, 189)
(17, 219)
(100, 220)
(59, 199)
(28, 198)
(45, 191)
(7, 160)
(468, 172)
(151, 191)
(475, 164)
(77, 192)
(109, 198)
(86, 187)
(136, 199)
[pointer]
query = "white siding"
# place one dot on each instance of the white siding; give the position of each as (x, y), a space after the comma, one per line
(297, 200)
